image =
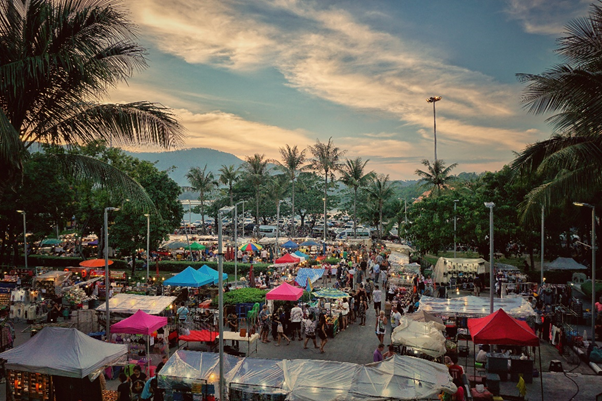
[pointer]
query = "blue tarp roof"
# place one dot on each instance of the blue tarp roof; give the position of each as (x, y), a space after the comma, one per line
(301, 254)
(212, 272)
(189, 278)
(304, 273)
(310, 243)
(290, 245)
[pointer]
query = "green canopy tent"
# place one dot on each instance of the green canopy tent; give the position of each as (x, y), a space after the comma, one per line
(195, 246)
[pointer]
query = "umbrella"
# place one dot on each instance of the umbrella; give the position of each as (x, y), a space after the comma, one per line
(290, 245)
(310, 243)
(50, 241)
(195, 246)
(250, 247)
(94, 263)
(331, 293)
(175, 245)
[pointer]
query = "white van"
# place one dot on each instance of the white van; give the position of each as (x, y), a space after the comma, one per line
(362, 233)
(267, 231)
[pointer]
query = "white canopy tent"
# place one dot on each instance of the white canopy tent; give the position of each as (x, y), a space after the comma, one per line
(62, 352)
(59, 277)
(131, 303)
(476, 306)
(399, 258)
(449, 267)
(316, 380)
(425, 337)
(564, 264)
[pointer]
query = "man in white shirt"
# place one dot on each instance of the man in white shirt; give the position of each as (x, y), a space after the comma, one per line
(376, 272)
(378, 297)
(296, 317)
(395, 318)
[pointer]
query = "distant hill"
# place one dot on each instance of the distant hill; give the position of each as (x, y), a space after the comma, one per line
(184, 159)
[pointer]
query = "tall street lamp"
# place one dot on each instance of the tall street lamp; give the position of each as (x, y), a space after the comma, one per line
(433, 100)
(107, 283)
(236, 237)
(455, 219)
(147, 245)
(542, 245)
(593, 264)
(24, 235)
(220, 288)
(491, 205)
(278, 228)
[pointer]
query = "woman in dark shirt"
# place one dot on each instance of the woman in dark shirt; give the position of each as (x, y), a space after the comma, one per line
(322, 332)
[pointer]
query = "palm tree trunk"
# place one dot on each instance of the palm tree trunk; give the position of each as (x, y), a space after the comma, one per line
(355, 213)
(202, 197)
(293, 210)
(257, 208)
(231, 196)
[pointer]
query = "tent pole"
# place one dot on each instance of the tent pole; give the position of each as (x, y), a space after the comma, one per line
(540, 372)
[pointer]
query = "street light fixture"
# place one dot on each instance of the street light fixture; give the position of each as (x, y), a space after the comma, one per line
(236, 236)
(542, 244)
(220, 288)
(593, 264)
(433, 100)
(491, 205)
(25, 235)
(278, 228)
(107, 281)
(147, 245)
(455, 218)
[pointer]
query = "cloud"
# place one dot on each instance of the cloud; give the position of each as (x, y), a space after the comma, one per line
(546, 17)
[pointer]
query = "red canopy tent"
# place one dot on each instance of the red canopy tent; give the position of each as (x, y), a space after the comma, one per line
(288, 258)
(139, 323)
(502, 329)
(285, 292)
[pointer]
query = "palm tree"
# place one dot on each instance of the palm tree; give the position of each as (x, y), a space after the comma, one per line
(203, 181)
(257, 170)
(228, 176)
(380, 190)
(571, 160)
(436, 176)
(353, 175)
(326, 160)
(291, 164)
(57, 59)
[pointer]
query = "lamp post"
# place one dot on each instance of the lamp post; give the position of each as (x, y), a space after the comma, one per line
(491, 205)
(542, 244)
(24, 235)
(433, 100)
(236, 236)
(107, 281)
(278, 228)
(220, 288)
(593, 265)
(455, 219)
(147, 245)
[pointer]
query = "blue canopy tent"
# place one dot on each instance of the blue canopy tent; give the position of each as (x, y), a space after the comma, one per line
(302, 255)
(304, 274)
(212, 272)
(290, 245)
(310, 243)
(189, 278)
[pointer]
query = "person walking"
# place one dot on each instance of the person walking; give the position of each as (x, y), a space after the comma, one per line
(296, 317)
(377, 297)
(322, 332)
(264, 319)
(381, 326)
(395, 318)
(280, 327)
(124, 389)
(344, 314)
(378, 353)
(310, 325)
(362, 308)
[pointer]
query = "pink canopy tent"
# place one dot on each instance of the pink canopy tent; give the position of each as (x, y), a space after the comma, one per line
(285, 292)
(139, 323)
(288, 258)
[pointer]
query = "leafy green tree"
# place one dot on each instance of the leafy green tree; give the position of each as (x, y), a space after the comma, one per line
(256, 168)
(354, 175)
(57, 59)
(436, 177)
(228, 176)
(309, 197)
(380, 190)
(292, 164)
(326, 160)
(202, 181)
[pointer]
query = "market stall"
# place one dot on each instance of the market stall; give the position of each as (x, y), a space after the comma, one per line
(206, 270)
(131, 303)
(49, 284)
(476, 306)
(448, 268)
(285, 292)
(287, 259)
(304, 274)
(189, 277)
(422, 337)
(257, 379)
(422, 316)
(61, 363)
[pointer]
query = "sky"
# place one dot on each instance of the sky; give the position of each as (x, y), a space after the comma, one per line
(250, 76)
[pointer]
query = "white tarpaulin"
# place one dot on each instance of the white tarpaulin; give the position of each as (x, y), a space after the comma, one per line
(131, 303)
(262, 376)
(425, 337)
(422, 316)
(476, 306)
(315, 380)
(187, 368)
(564, 264)
(402, 378)
(62, 352)
(59, 277)
(449, 267)
(399, 258)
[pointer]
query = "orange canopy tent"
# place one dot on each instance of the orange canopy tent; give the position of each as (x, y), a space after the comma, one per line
(94, 263)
